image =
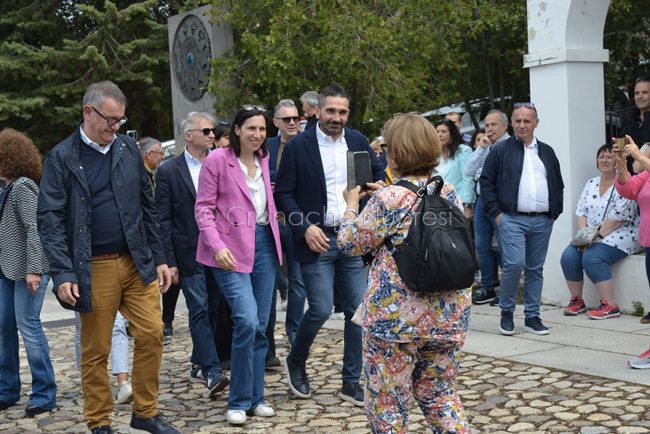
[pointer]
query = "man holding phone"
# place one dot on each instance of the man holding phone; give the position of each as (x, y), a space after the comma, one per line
(309, 187)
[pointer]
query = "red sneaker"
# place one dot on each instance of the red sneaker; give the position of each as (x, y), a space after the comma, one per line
(576, 306)
(604, 311)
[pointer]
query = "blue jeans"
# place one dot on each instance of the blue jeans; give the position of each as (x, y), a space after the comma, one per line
(524, 243)
(296, 293)
(484, 229)
(249, 296)
(596, 261)
(199, 299)
(351, 278)
(21, 311)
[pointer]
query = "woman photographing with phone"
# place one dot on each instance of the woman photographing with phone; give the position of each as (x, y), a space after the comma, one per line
(637, 188)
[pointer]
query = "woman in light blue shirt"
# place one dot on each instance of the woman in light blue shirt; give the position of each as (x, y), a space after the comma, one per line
(451, 163)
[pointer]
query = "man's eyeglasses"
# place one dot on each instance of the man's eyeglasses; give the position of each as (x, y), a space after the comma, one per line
(110, 121)
(529, 105)
(249, 107)
(205, 131)
(288, 119)
(161, 153)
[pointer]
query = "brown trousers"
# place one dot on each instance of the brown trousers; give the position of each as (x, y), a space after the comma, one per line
(116, 284)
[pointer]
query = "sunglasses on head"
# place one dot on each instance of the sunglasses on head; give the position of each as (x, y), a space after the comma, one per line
(408, 113)
(224, 123)
(288, 119)
(249, 107)
(205, 131)
(529, 105)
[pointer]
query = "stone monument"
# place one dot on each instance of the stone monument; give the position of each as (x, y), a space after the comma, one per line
(194, 40)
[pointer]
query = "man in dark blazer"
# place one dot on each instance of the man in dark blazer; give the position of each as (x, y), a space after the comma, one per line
(309, 187)
(286, 119)
(176, 187)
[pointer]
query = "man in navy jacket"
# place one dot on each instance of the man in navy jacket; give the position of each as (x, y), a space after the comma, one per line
(310, 182)
(176, 187)
(522, 189)
(286, 119)
(100, 232)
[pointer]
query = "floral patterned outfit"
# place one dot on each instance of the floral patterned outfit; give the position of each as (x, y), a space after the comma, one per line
(412, 340)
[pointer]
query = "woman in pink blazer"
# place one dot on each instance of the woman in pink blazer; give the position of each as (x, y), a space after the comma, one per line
(239, 239)
(637, 188)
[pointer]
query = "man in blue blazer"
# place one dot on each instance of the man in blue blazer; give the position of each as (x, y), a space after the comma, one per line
(176, 187)
(286, 119)
(309, 187)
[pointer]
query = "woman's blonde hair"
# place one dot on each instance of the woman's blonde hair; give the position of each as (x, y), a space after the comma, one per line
(413, 144)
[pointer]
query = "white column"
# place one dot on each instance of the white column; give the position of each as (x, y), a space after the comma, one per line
(565, 39)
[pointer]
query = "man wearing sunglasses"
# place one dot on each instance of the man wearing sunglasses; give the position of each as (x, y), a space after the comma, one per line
(176, 188)
(100, 231)
(522, 189)
(286, 119)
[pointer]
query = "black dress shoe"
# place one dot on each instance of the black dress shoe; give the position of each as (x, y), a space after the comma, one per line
(104, 429)
(5, 405)
(297, 376)
(33, 410)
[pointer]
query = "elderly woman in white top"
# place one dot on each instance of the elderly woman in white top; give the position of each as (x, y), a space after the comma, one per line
(23, 277)
(600, 205)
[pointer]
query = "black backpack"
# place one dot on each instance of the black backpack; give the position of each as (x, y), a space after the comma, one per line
(437, 253)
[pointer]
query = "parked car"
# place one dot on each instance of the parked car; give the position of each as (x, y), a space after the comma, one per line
(169, 150)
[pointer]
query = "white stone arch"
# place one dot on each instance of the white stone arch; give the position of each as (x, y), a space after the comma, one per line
(565, 59)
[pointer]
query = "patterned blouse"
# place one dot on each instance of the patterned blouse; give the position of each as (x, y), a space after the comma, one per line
(389, 310)
(592, 206)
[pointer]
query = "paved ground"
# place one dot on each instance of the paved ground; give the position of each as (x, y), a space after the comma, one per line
(525, 383)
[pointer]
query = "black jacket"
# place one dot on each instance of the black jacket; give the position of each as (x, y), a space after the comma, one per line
(175, 199)
(300, 188)
(640, 133)
(64, 215)
(502, 171)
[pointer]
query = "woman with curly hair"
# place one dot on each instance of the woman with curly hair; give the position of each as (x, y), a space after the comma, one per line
(23, 277)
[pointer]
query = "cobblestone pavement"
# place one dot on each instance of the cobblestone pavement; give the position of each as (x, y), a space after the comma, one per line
(499, 397)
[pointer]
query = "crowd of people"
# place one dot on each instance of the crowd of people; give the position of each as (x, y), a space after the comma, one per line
(236, 218)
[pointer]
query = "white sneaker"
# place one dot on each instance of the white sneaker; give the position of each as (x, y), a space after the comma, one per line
(339, 316)
(125, 394)
(641, 362)
(236, 417)
(263, 410)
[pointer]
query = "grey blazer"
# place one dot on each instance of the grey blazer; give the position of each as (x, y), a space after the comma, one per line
(20, 246)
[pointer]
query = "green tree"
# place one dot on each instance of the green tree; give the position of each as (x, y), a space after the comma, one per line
(390, 55)
(627, 36)
(52, 50)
